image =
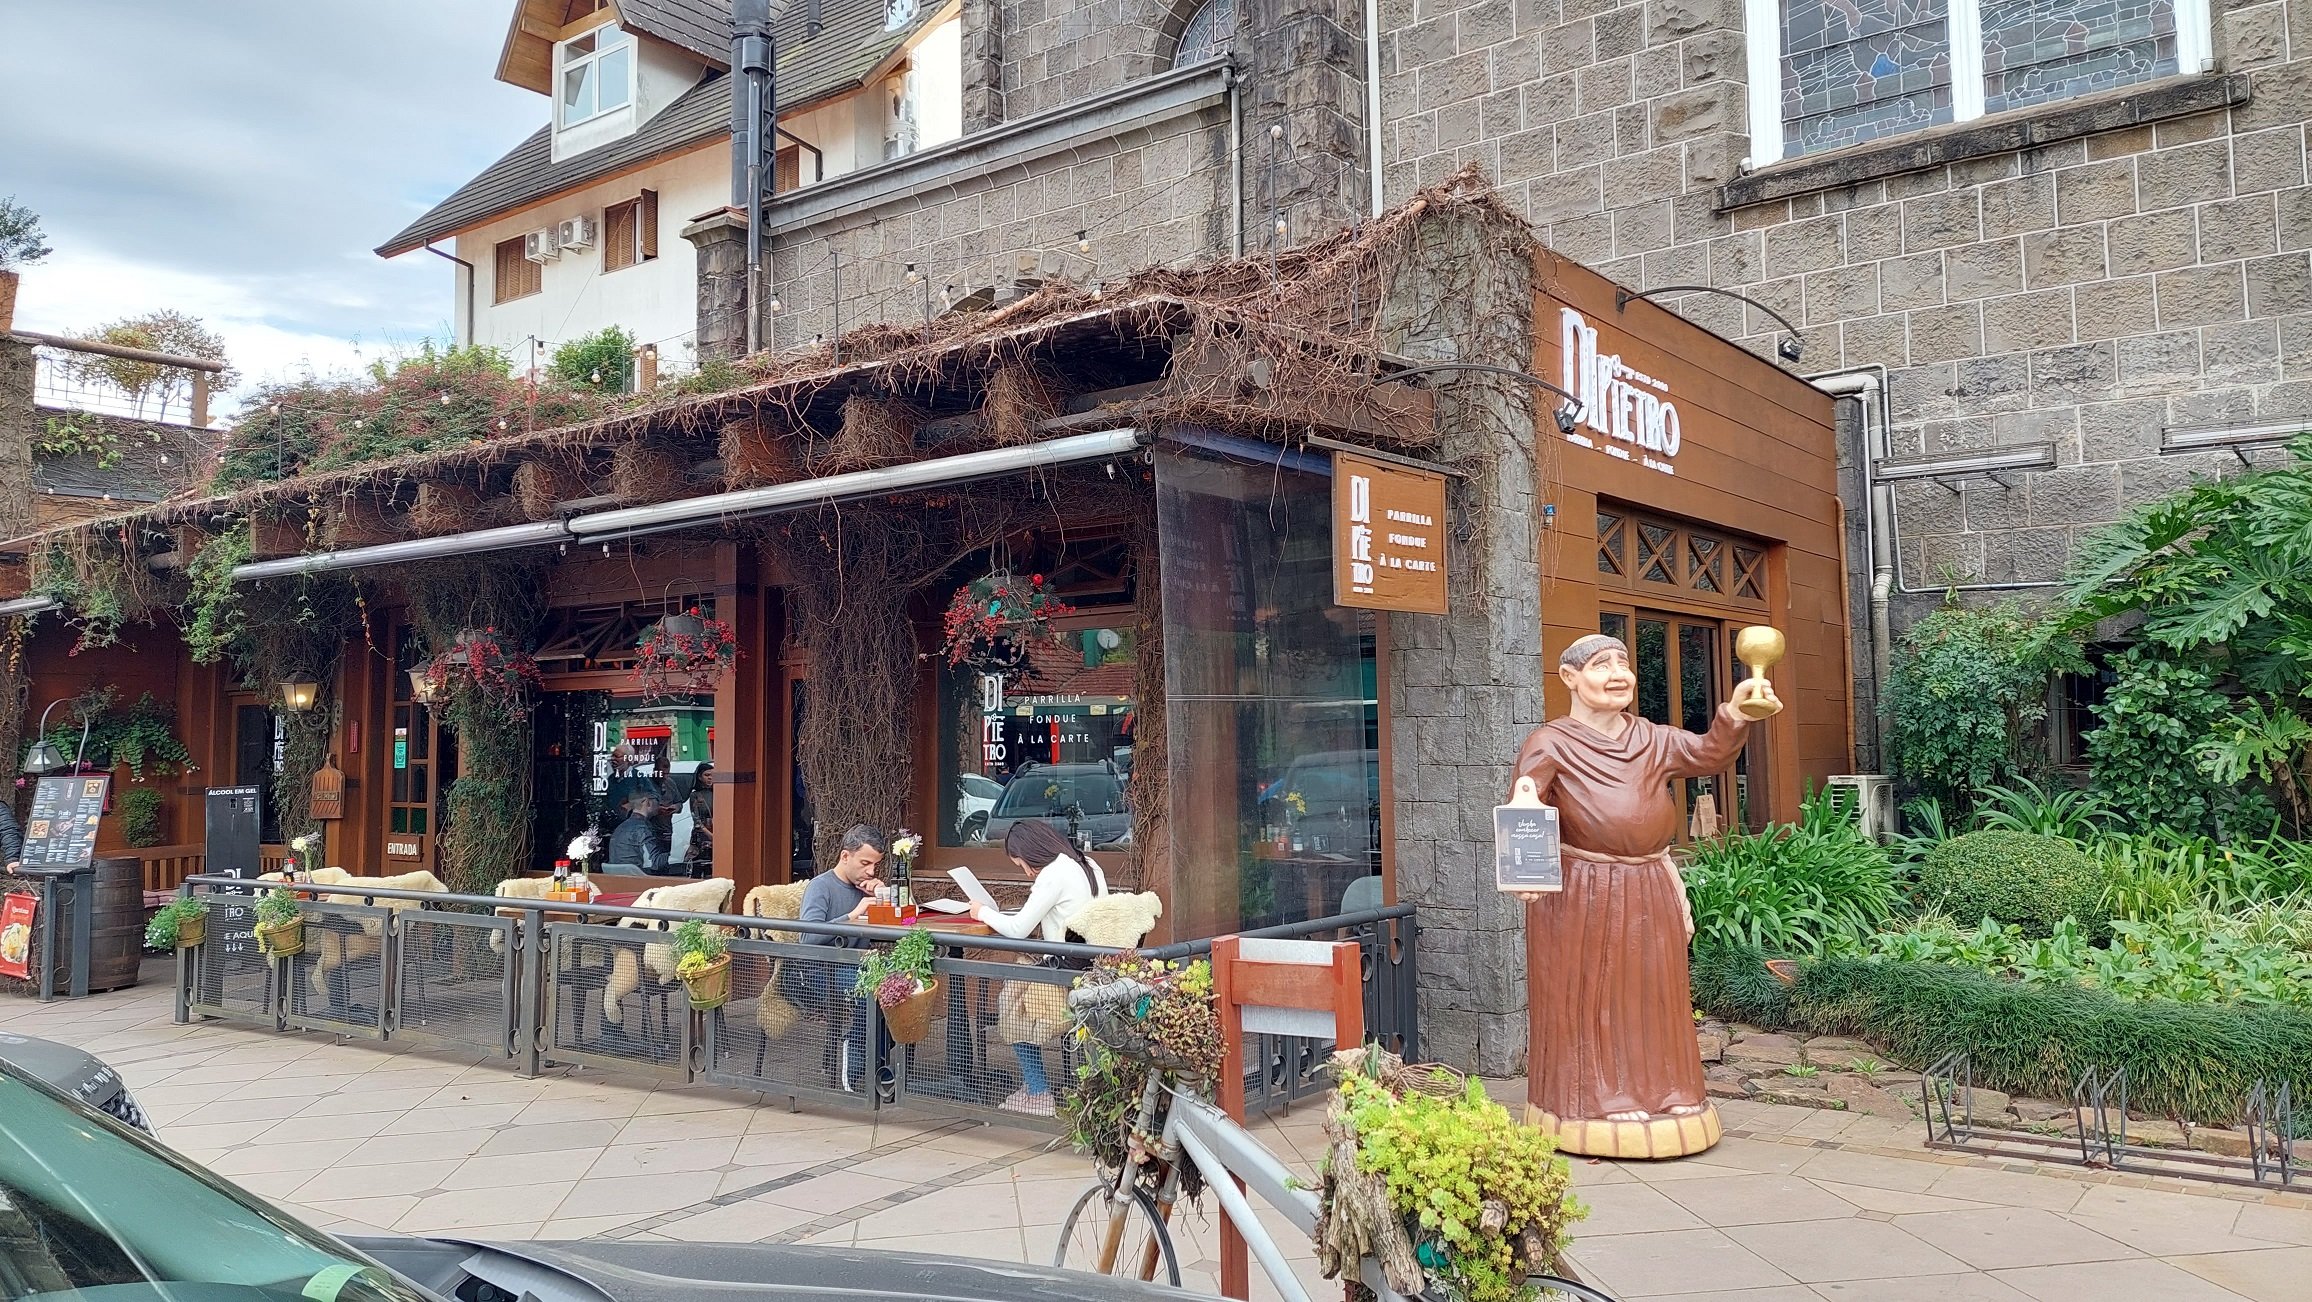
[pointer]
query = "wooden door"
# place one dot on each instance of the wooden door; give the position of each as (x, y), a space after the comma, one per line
(415, 761)
(1683, 664)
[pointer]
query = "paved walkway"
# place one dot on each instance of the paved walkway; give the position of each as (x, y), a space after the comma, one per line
(1794, 1206)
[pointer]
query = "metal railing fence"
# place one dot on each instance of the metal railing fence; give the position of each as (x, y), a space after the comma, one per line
(541, 983)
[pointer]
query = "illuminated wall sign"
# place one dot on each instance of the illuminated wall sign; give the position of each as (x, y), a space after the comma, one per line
(1630, 408)
(1388, 536)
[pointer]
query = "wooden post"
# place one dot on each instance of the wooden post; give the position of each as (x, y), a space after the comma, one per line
(1277, 987)
(200, 400)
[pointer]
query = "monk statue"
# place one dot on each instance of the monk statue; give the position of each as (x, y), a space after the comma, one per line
(1612, 1070)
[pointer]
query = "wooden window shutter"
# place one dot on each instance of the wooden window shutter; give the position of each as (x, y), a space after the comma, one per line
(647, 208)
(618, 236)
(517, 277)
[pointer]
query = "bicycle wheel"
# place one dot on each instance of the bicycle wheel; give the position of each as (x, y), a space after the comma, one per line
(1123, 1238)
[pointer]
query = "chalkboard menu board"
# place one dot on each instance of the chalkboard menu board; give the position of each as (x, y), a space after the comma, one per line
(61, 832)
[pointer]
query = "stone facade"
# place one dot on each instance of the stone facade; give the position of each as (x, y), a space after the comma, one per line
(2081, 274)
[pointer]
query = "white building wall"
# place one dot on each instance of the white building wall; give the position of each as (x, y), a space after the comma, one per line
(656, 300)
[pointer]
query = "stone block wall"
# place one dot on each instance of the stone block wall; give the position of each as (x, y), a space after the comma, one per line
(1054, 52)
(2086, 291)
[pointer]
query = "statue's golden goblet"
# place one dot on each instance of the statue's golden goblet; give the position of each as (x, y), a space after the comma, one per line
(1759, 647)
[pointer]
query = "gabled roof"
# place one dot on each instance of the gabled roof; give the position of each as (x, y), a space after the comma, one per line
(850, 46)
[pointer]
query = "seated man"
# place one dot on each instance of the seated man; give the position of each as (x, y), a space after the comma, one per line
(842, 895)
(635, 846)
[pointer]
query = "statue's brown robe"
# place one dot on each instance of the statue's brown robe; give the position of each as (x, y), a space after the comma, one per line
(1610, 1016)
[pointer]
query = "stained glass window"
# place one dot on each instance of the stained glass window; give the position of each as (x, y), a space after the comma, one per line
(2040, 50)
(1860, 70)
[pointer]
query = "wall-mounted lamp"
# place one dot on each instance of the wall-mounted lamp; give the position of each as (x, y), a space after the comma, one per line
(421, 687)
(1952, 468)
(43, 757)
(299, 692)
(1791, 347)
(1568, 414)
(2235, 439)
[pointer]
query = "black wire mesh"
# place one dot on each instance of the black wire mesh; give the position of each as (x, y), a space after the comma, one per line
(993, 1028)
(230, 977)
(454, 980)
(611, 998)
(336, 982)
(791, 1027)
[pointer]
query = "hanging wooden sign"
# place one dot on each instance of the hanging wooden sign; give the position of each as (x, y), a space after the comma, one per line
(329, 791)
(1388, 536)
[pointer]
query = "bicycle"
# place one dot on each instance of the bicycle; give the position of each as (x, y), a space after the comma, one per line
(1121, 1225)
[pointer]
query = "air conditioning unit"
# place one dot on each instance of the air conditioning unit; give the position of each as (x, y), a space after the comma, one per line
(541, 246)
(1871, 798)
(575, 233)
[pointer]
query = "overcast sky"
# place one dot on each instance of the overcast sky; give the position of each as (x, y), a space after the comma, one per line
(239, 159)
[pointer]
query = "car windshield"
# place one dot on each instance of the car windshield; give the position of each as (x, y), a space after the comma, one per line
(1047, 793)
(91, 1215)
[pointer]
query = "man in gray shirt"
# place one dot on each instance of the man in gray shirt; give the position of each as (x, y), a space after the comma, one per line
(841, 894)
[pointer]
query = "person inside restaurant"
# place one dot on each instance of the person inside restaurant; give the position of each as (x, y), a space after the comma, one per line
(635, 847)
(1066, 879)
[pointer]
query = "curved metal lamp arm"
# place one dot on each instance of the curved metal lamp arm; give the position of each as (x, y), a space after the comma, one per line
(1791, 348)
(1569, 412)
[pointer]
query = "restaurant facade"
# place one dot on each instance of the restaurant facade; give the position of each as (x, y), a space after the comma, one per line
(1280, 555)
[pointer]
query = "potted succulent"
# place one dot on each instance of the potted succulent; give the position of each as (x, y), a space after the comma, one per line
(703, 963)
(991, 623)
(902, 984)
(182, 923)
(683, 653)
(280, 927)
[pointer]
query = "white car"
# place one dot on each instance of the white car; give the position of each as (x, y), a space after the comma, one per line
(975, 797)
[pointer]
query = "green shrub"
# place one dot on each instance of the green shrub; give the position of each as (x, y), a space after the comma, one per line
(2144, 751)
(602, 361)
(2032, 881)
(1731, 981)
(1792, 888)
(140, 817)
(1967, 688)
(2074, 816)
(2188, 957)
(2193, 1061)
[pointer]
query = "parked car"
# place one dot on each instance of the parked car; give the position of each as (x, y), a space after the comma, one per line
(80, 1076)
(91, 1211)
(975, 798)
(1048, 792)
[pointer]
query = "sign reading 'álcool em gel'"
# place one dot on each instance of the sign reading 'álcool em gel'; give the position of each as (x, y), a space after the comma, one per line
(1629, 407)
(1388, 536)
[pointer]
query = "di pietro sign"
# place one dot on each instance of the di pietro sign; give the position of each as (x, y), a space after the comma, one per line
(1388, 536)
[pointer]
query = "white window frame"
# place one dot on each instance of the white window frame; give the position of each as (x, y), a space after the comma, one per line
(1762, 29)
(563, 63)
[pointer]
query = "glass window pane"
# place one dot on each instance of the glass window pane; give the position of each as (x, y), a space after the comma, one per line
(1613, 623)
(578, 47)
(1697, 692)
(1652, 661)
(1271, 703)
(1052, 741)
(616, 72)
(2040, 50)
(578, 93)
(1861, 70)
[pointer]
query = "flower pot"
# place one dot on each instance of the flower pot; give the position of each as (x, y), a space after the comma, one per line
(910, 1020)
(281, 939)
(709, 986)
(192, 931)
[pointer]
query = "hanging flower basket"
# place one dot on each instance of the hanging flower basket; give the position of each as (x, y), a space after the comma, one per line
(709, 982)
(481, 668)
(909, 1020)
(993, 623)
(281, 939)
(684, 653)
(192, 930)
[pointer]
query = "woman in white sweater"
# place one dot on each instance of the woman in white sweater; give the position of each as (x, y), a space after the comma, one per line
(1063, 885)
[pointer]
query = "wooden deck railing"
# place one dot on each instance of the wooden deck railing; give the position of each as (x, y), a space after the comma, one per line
(167, 866)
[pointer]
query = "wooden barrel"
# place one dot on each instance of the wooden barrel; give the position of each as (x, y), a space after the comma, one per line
(116, 924)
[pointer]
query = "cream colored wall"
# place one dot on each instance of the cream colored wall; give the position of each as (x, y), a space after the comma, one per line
(657, 300)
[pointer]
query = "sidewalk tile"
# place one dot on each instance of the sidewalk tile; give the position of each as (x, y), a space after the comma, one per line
(1872, 1198)
(1926, 1288)
(434, 1118)
(2267, 1275)
(662, 1127)
(829, 1194)
(284, 1157)
(664, 1158)
(2122, 1281)
(2000, 1238)
(517, 1170)
(1872, 1170)
(645, 1194)
(1859, 1250)
(428, 1147)
(2275, 1224)
(1632, 1209)
(965, 1212)
(375, 1181)
(1674, 1261)
(2007, 1188)
(747, 1222)
(1756, 1199)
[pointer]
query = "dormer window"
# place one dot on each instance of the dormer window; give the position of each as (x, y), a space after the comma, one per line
(597, 73)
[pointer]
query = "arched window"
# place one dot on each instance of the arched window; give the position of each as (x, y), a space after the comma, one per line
(1208, 33)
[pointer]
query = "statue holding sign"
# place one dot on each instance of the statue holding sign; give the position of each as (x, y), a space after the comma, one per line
(1612, 1068)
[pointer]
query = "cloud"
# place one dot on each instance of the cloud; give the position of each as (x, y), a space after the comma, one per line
(239, 161)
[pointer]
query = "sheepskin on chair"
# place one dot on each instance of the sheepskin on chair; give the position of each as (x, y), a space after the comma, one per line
(773, 1012)
(1031, 1012)
(517, 888)
(334, 949)
(712, 895)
